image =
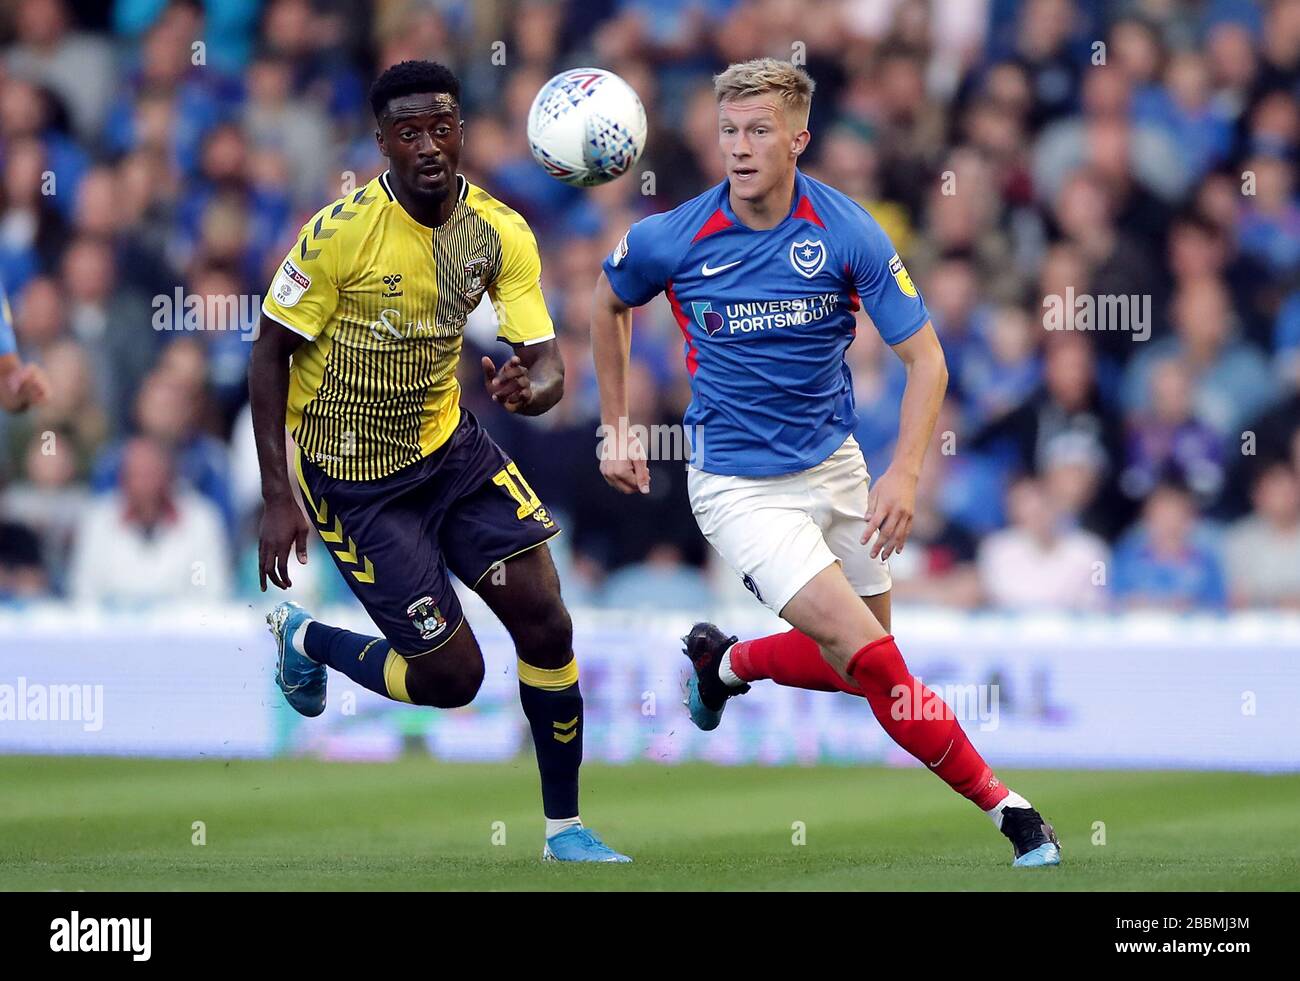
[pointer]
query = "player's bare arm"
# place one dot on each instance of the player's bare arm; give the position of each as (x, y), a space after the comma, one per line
(284, 528)
(21, 385)
(531, 382)
(892, 502)
(623, 465)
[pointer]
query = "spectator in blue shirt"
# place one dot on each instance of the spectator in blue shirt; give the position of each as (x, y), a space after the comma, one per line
(1165, 561)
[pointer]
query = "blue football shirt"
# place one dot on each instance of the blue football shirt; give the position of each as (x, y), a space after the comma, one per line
(766, 316)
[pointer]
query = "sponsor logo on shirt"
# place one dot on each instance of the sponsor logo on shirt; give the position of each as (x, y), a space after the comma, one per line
(392, 326)
(762, 315)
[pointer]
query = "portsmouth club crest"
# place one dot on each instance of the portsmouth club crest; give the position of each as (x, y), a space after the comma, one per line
(426, 617)
(808, 257)
(476, 271)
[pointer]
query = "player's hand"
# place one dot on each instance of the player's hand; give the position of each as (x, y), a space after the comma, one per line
(623, 463)
(890, 507)
(284, 530)
(25, 387)
(510, 386)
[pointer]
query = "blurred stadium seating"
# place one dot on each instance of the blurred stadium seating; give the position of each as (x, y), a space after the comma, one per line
(1134, 148)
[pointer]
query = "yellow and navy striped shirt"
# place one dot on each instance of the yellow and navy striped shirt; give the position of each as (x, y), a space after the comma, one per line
(382, 301)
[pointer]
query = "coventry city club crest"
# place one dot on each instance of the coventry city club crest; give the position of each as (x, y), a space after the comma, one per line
(808, 257)
(428, 619)
(475, 276)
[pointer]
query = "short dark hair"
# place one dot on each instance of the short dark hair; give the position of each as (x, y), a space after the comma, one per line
(410, 78)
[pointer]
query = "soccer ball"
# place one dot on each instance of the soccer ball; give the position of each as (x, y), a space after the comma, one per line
(586, 127)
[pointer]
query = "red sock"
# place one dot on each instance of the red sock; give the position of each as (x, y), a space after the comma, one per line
(792, 659)
(922, 723)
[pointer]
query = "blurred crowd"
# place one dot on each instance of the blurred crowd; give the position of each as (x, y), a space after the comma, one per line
(1014, 150)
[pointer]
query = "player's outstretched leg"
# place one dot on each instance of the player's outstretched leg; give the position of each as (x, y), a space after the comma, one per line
(526, 597)
(857, 646)
(839, 627)
(924, 725)
(307, 647)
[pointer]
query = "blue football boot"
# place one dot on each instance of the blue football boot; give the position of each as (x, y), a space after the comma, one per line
(706, 693)
(579, 845)
(1033, 839)
(300, 678)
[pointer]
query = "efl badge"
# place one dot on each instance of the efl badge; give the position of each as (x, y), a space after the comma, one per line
(901, 277)
(475, 276)
(427, 618)
(808, 257)
(620, 251)
(290, 284)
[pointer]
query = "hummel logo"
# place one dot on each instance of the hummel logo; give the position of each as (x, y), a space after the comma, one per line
(717, 269)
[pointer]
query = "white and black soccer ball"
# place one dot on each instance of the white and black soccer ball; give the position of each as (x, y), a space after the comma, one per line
(586, 127)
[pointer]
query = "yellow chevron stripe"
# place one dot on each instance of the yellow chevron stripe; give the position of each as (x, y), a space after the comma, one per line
(335, 536)
(565, 725)
(368, 575)
(350, 556)
(549, 679)
(565, 739)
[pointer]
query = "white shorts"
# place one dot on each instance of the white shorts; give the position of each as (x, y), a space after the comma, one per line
(779, 532)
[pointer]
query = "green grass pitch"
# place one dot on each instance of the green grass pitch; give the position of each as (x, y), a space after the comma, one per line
(110, 824)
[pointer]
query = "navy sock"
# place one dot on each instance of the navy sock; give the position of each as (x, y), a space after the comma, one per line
(369, 661)
(552, 703)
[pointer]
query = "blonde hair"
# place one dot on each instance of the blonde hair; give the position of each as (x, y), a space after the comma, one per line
(792, 85)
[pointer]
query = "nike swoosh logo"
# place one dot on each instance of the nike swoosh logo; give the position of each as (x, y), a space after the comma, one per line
(943, 757)
(717, 269)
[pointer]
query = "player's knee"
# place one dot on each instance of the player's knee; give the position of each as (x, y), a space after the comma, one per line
(458, 692)
(838, 636)
(449, 682)
(841, 626)
(548, 640)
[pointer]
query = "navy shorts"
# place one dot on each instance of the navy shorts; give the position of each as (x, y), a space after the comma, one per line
(463, 508)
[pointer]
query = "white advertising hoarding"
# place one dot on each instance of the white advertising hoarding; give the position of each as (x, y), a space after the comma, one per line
(1156, 692)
